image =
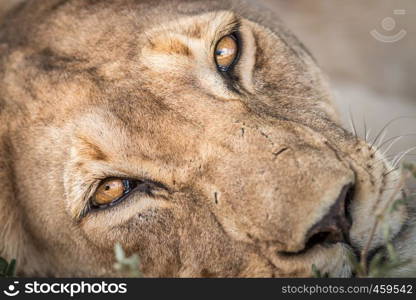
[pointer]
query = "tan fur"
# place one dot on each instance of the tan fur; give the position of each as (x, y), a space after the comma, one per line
(124, 88)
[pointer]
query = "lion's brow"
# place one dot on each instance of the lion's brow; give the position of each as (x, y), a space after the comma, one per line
(174, 41)
(91, 150)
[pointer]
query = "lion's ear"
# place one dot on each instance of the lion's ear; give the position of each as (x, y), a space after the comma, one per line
(14, 239)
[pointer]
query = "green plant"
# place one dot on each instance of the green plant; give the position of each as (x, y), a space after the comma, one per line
(317, 273)
(411, 168)
(7, 269)
(126, 266)
(381, 265)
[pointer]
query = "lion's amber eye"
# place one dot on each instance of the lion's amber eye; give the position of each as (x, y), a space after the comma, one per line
(226, 52)
(109, 191)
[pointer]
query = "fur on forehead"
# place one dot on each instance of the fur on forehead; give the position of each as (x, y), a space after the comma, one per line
(209, 27)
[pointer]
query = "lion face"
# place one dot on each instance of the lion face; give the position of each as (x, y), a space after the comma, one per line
(188, 132)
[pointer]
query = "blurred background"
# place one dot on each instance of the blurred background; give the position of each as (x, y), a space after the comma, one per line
(368, 49)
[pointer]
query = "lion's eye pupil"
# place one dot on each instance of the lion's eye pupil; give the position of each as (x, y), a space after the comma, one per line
(109, 191)
(226, 52)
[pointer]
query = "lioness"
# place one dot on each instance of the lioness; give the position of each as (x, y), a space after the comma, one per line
(199, 134)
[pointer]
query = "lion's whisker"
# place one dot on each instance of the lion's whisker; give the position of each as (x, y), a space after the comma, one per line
(352, 124)
(395, 137)
(365, 129)
(394, 141)
(387, 125)
(393, 155)
(382, 138)
(367, 136)
(391, 171)
(399, 157)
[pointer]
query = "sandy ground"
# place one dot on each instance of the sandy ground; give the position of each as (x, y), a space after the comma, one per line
(373, 79)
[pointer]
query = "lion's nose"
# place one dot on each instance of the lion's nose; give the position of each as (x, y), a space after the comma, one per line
(334, 227)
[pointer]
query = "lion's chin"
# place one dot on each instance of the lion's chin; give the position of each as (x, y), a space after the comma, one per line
(320, 260)
(334, 260)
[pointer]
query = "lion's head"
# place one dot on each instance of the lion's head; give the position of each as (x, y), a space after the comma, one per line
(199, 134)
